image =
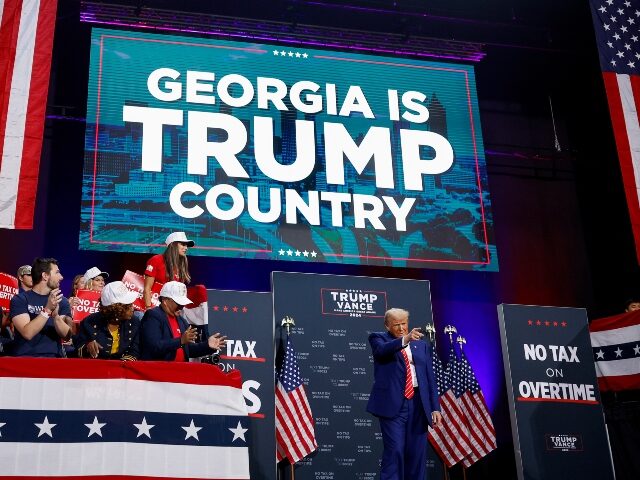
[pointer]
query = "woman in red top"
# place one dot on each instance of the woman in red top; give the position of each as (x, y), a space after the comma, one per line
(172, 265)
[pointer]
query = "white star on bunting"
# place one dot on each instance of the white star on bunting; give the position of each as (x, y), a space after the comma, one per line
(192, 431)
(95, 427)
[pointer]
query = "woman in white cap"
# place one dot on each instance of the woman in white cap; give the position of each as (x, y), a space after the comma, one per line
(112, 333)
(94, 279)
(166, 335)
(172, 265)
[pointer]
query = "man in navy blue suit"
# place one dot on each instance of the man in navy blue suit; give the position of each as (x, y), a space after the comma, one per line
(404, 397)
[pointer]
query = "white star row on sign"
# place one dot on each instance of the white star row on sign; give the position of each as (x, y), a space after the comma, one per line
(289, 53)
(95, 428)
(297, 253)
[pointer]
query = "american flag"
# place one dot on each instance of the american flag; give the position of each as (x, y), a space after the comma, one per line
(616, 350)
(617, 28)
(295, 432)
(26, 40)
(101, 419)
(450, 440)
(476, 412)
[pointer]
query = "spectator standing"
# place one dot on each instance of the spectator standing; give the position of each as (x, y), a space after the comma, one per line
(172, 265)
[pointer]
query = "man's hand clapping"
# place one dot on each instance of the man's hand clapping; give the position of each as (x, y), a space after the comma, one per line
(217, 341)
(189, 336)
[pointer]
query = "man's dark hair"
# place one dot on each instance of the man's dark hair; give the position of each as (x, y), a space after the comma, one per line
(40, 266)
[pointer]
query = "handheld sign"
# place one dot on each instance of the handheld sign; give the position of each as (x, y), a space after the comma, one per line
(135, 283)
(89, 302)
(8, 288)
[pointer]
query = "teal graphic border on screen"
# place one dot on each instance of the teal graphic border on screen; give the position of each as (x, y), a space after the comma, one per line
(372, 214)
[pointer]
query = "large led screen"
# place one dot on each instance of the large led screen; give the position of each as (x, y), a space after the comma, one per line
(283, 153)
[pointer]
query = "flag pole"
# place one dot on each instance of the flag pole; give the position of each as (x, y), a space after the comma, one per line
(431, 333)
(288, 322)
(461, 341)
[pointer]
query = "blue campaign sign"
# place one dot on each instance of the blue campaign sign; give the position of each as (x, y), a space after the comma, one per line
(245, 318)
(556, 415)
(261, 151)
(334, 316)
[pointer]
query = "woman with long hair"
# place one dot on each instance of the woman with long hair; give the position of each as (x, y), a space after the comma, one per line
(172, 265)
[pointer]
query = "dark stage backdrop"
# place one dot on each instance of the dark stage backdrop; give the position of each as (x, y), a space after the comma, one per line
(334, 316)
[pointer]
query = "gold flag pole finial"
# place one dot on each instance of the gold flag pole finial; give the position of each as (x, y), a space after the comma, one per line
(450, 330)
(431, 331)
(288, 322)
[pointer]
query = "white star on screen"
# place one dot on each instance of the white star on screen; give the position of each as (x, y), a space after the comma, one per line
(305, 253)
(238, 432)
(192, 431)
(298, 252)
(314, 254)
(143, 428)
(45, 427)
(95, 427)
(281, 252)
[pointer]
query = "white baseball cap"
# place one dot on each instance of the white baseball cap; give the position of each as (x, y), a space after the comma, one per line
(176, 291)
(179, 237)
(92, 273)
(117, 292)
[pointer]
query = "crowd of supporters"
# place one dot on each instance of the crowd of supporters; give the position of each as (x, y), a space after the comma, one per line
(39, 322)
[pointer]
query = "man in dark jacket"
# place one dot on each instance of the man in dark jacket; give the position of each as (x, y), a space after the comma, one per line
(404, 397)
(166, 335)
(112, 333)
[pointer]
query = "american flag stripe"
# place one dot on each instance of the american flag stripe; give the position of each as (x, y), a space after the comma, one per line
(475, 431)
(448, 453)
(455, 426)
(616, 25)
(622, 107)
(478, 424)
(450, 439)
(26, 35)
(476, 412)
(483, 411)
(295, 406)
(295, 432)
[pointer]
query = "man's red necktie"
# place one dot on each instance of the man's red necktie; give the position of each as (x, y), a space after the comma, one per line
(408, 384)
